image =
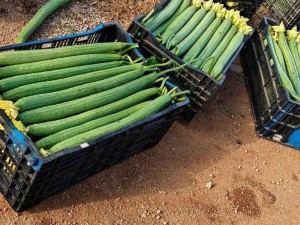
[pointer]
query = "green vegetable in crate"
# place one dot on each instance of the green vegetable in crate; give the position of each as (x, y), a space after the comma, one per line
(10, 83)
(153, 107)
(59, 63)
(163, 15)
(158, 31)
(186, 44)
(293, 73)
(61, 84)
(39, 17)
(80, 105)
(29, 56)
(200, 44)
(298, 44)
(292, 42)
(279, 55)
(283, 74)
(49, 141)
(227, 55)
(190, 26)
(210, 62)
(34, 102)
(52, 127)
(178, 23)
(231, 16)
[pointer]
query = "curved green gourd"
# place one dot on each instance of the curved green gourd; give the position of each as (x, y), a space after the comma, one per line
(56, 64)
(61, 84)
(31, 78)
(227, 55)
(178, 23)
(214, 42)
(51, 127)
(29, 56)
(282, 74)
(210, 61)
(158, 31)
(202, 41)
(49, 141)
(153, 107)
(70, 108)
(187, 29)
(187, 43)
(39, 17)
(163, 15)
(34, 102)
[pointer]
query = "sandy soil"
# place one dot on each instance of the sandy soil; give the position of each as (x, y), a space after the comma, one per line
(254, 181)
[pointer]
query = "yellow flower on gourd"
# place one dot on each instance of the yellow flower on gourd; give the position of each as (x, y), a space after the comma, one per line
(208, 5)
(231, 4)
(279, 29)
(222, 13)
(217, 7)
(298, 38)
(20, 126)
(12, 112)
(197, 3)
(291, 34)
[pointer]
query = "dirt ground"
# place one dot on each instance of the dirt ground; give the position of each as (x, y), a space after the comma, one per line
(254, 181)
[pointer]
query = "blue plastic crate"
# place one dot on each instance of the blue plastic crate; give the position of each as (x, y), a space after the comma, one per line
(277, 115)
(26, 177)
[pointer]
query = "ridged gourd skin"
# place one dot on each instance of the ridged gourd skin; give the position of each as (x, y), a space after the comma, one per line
(286, 82)
(39, 17)
(227, 55)
(34, 102)
(29, 56)
(211, 61)
(178, 23)
(279, 55)
(290, 63)
(153, 107)
(56, 64)
(80, 105)
(61, 84)
(187, 29)
(186, 44)
(49, 141)
(293, 48)
(200, 44)
(213, 42)
(10, 83)
(158, 31)
(163, 15)
(48, 128)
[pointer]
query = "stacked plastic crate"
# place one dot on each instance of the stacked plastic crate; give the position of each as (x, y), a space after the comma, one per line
(287, 11)
(277, 115)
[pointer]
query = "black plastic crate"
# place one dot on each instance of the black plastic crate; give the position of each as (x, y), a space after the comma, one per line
(201, 85)
(287, 11)
(26, 177)
(277, 115)
(248, 8)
